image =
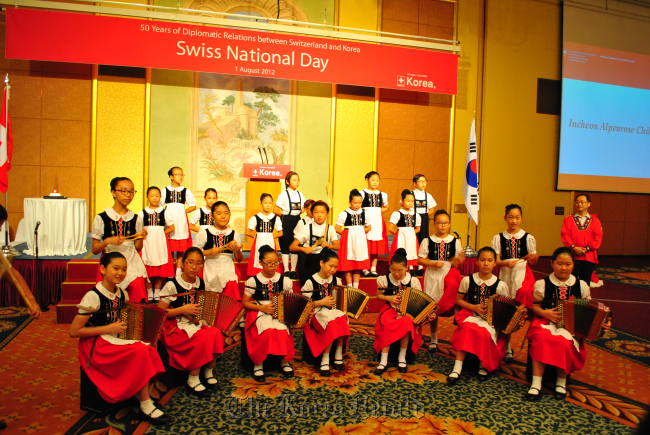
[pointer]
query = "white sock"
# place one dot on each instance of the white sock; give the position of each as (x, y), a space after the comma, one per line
(150, 294)
(147, 406)
(325, 359)
(209, 373)
(458, 368)
(285, 262)
(434, 338)
(537, 383)
(195, 383)
(258, 367)
(355, 284)
(294, 262)
(383, 360)
(560, 382)
(373, 269)
(482, 371)
(338, 355)
(508, 348)
(402, 355)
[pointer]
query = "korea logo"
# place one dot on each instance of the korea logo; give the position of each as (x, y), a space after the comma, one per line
(401, 81)
(254, 172)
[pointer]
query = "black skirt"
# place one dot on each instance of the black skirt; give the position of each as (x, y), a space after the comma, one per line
(424, 227)
(289, 223)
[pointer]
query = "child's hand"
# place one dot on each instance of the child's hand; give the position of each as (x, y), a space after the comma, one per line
(367, 228)
(436, 264)
(191, 310)
(115, 240)
(144, 234)
(328, 301)
(267, 309)
(456, 261)
(551, 314)
(531, 258)
(512, 263)
(116, 327)
(479, 309)
(393, 300)
(308, 249)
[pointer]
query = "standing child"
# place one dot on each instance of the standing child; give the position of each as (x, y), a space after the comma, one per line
(115, 230)
(289, 206)
(548, 343)
(305, 220)
(473, 334)
(265, 335)
(221, 247)
(314, 237)
(202, 218)
(328, 325)
(180, 201)
(390, 326)
(190, 345)
(264, 228)
(155, 254)
(351, 224)
(515, 249)
(404, 224)
(120, 369)
(425, 206)
(374, 203)
(583, 233)
(440, 253)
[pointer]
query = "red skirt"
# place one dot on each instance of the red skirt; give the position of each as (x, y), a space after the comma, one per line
(118, 371)
(181, 245)
(232, 288)
(394, 246)
(270, 342)
(554, 350)
(345, 264)
(379, 247)
(191, 353)
(390, 327)
(524, 293)
(318, 339)
(447, 302)
(469, 337)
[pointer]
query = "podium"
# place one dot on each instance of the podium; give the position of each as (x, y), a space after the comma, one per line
(262, 178)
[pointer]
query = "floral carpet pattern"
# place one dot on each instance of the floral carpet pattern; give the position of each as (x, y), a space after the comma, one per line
(12, 321)
(638, 276)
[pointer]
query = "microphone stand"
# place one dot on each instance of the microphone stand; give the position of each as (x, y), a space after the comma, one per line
(35, 280)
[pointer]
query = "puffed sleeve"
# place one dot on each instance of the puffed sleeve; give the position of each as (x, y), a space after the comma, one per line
(424, 248)
(538, 290)
(418, 220)
(307, 289)
(340, 220)
(252, 223)
(190, 201)
(496, 244)
(502, 289)
(249, 287)
(431, 202)
(167, 292)
(278, 224)
(283, 202)
(195, 217)
(394, 217)
(97, 229)
(200, 239)
(382, 282)
(415, 283)
(139, 223)
(531, 244)
(287, 284)
(464, 285)
(459, 246)
(89, 303)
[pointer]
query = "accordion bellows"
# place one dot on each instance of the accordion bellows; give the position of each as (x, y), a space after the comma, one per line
(219, 310)
(143, 322)
(292, 309)
(582, 318)
(350, 300)
(415, 304)
(505, 314)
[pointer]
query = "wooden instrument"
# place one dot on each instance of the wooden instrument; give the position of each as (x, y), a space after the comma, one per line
(415, 304)
(218, 310)
(19, 282)
(350, 300)
(292, 309)
(584, 319)
(504, 314)
(143, 322)
(136, 236)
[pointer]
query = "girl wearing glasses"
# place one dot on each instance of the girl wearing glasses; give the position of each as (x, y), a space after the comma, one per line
(116, 230)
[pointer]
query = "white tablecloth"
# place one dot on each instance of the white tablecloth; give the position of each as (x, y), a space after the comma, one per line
(63, 229)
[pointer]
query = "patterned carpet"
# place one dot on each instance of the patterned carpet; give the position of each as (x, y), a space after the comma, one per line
(633, 275)
(12, 321)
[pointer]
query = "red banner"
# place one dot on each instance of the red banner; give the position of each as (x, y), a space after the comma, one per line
(265, 171)
(95, 39)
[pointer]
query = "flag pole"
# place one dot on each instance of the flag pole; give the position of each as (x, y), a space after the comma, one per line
(7, 249)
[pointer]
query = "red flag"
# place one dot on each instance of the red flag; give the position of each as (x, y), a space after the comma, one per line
(6, 144)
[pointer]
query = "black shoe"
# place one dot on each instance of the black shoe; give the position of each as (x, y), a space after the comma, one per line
(509, 357)
(373, 274)
(338, 365)
(209, 385)
(324, 371)
(258, 375)
(433, 348)
(482, 377)
(365, 273)
(559, 395)
(3, 425)
(163, 420)
(451, 380)
(402, 367)
(287, 373)
(195, 392)
(533, 397)
(380, 370)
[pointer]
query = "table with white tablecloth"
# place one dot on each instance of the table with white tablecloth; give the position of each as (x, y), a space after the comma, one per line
(63, 228)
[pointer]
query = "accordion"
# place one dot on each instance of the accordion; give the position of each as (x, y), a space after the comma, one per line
(415, 304)
(582, 318)
(218, 310)
(143, 322)
(504, 314)
(292, 309)
(350, 300)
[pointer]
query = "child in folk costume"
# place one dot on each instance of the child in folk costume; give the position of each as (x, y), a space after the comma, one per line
(441, 253)
(190, 345)
(549, 344)
(404, 225)
(305, 220)
(221, 247)
(425, 206)
(180, 201)
(115, 230)
(390, 326)
(265, 335)
(328, 325)
(155, 253)
(473, 334)
(289, 205)
(352, 225)
(374, 203)
(312, 239)
(119, 368)
(263, 228)
(583, 233)
(202, 218)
